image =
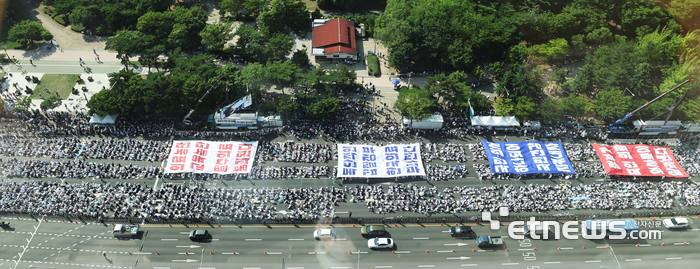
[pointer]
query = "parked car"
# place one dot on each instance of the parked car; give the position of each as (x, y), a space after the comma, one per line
(380, 242)
(324, 234)
(373, 230)
(675, 223)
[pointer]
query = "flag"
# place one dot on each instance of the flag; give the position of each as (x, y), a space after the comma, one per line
(471, 109)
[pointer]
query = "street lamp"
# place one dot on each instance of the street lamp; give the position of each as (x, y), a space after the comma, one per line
(628, 90)
(504, 87)
(59, 252)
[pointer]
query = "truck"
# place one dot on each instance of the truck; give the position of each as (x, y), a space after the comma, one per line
(486, 241)
(122, 231)
(430, 123)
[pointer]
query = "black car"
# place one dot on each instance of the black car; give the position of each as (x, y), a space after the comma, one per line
(462, 232)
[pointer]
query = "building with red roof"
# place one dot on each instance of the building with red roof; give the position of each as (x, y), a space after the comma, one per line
(334, 39)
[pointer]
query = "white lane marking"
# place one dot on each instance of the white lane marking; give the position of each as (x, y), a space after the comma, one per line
(601, 247)
(468, 264)
(296, 239)
(551, 262)
(444, 251)
(184, 232)
(593, 261)
(383, 266)
(142, 253)
(318, 252)
(190, 246)
(684, 243)
(341, 239)
(423, 266)
(161, 267)
(645, 245)
(402, 251)
(524, 249)
(206, 268)
(273, 253)
(168, 240)
(253, 239)
(295, 267)
(633, 260)
(228, 253)
(458, 244)
(459, 258)
(568, 248)
(510, 263)
(445, 231)
(421, 238)
(675, 258)
(338, 267)
(256, 267)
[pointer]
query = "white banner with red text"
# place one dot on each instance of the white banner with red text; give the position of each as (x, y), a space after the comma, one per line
(198, 156)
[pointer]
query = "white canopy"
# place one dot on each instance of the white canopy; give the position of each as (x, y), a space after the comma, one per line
(506, 121)
(97, 119)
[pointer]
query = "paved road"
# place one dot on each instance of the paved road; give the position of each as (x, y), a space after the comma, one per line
(169, 247)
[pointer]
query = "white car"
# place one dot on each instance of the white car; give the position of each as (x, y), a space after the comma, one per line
(674, 223)
(324, 234)
(375, 243)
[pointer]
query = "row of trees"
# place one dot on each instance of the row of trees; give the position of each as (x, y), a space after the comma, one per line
(104, 16)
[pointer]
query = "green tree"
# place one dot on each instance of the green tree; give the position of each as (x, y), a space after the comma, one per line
(577, 107)
(686, 12)
(82, 15)
(230, 7)
(602, 35)
(525, 109)
(150, 55)
(553, 49)
(503, 106)
(287, 107)
(189, 22)
(521, 80)
(415, 104)
(283, 74)
(644, 16)
(26, 31)
(301, 58)
(577, 43)
(127, 43)
(255, 76)
(23, 105)
(551, 110)
(559, 75)
(324, 107)
(216, 35)
(278, 47)
(50, 102)
(157, 24)
(612, 104)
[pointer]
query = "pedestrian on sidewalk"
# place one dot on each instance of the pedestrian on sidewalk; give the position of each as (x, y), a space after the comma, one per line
(350, 214)
(30, 62)
(93, 51)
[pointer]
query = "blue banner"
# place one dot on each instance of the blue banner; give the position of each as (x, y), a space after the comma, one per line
(529, 157)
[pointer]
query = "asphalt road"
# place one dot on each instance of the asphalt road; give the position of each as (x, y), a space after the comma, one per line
(431, 246)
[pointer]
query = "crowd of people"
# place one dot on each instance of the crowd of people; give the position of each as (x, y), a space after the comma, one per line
(80, 169)
(289, 151)
(530, 198)
(92, 148)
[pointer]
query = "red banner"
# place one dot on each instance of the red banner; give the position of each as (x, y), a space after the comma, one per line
(639, 160)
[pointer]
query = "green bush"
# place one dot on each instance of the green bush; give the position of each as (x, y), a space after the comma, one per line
(373, 65)
(49, 12)
(77, 27)
(103, 30)
(46, 35)
(61, 19)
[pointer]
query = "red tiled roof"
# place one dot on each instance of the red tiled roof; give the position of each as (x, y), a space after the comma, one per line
(337, 35)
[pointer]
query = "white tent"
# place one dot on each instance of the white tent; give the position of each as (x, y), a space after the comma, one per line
(97, 119)
(495, 121)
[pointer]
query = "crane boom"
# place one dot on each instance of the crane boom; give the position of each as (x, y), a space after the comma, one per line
(629, 115)
(186, 120)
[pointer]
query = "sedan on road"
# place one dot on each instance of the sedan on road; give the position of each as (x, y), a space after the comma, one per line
(376, 243)
(675, 223)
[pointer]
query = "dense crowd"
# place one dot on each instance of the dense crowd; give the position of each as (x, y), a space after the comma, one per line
(170, 201)
(289, 172)
(530, 198)
(75, 169)
(292, 152)
(72, 147)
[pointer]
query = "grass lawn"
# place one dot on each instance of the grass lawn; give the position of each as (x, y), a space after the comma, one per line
(55, 82)
(311, 5)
